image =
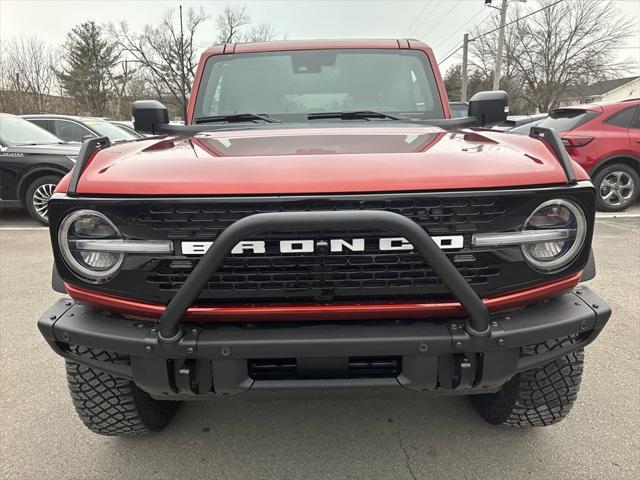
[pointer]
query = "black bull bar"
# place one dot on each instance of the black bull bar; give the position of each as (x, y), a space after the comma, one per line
(476, 323)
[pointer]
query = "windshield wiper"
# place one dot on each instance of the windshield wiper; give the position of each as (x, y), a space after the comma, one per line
(355, 115)
(237, 117)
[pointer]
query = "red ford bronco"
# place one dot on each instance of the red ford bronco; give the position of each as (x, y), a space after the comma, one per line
(320, 222)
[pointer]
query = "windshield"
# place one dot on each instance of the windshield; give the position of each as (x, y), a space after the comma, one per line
(106, 129)
(15, 131)
(286, 84)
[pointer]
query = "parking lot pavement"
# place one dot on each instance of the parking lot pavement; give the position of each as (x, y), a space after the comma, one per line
(409, 437)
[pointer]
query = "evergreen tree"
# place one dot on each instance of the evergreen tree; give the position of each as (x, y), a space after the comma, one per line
(89, 58)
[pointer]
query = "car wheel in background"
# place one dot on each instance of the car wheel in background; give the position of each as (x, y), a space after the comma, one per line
(618, 186)
(38, 195)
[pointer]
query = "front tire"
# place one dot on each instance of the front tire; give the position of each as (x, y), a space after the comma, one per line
(538, 397)
(38, 195)
(618, 186)
(110, 405)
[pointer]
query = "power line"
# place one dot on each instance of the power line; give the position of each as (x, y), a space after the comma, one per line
(411, 26)
(496, 29)
(427, 18)
(467, 23)
(451, 54)
(516, 20)
(448, 12)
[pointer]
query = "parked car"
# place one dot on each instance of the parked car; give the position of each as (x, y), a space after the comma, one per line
(605, 140)
(515, 121)
(32, 161)
(526, 128)
(459, 109)
(127, 127)
(79, 129)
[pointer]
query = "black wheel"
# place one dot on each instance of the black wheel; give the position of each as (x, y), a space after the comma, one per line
(110, 405)
(38, 195)
(618, 186)
(538, 397)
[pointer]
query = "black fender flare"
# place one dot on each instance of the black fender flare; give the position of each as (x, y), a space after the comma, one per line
(589, 271)
(56, 280)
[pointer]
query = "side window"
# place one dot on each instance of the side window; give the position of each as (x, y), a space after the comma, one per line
(635, 123)
(46, 124)
(622, 118)
(70, 131)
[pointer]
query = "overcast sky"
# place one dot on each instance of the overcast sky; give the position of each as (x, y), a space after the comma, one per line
(440, 23)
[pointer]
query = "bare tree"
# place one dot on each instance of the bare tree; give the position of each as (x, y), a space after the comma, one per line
(230, 23)
(261, 33)
(560, 49)
(567, 45)
(482, 62)
(27, 71)
(120, 80)
(166, 52)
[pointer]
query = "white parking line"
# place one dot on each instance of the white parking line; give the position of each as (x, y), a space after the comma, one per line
(616, 215)
(18, 229)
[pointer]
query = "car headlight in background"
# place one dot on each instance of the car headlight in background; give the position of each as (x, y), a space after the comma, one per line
(93, 247)
(550, 238)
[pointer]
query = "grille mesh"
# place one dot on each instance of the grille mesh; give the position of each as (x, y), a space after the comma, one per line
(438, 216)
(345, 275)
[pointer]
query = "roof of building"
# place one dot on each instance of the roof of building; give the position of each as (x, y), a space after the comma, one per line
(599, 88)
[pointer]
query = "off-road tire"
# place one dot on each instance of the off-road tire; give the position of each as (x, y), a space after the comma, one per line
(631, 173)
(538, 397)
(110, 405)
(41, 185)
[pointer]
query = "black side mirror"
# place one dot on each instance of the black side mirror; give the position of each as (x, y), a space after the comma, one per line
(490, 106)
(149, 116)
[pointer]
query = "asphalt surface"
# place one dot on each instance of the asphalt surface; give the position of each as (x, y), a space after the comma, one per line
(408, 437)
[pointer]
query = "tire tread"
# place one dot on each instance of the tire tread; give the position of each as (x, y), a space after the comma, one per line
(538, 397)
(110, 405)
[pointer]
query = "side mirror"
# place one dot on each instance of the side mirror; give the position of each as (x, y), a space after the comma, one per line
(490, 106)
(87, 137)
(149, 116)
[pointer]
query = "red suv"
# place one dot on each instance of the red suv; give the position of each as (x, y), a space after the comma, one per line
(605, 140)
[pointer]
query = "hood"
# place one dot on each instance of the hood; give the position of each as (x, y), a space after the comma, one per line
(321, 160)
(52, 149)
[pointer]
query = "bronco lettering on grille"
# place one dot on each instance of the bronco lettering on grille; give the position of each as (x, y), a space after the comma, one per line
(334, 245)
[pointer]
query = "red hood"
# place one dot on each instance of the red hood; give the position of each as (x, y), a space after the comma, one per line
(321, 160)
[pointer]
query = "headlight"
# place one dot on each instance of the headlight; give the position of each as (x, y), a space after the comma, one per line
(91, 264)
(563, 217)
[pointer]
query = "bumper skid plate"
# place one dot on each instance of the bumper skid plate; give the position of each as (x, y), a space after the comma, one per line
(434, 355)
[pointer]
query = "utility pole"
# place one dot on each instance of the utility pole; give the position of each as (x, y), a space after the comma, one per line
(503, 19)
(182, 73)
(465, 50)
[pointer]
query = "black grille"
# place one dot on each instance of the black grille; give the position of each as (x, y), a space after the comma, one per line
(438, 216)
(352, 367)
(321, 277)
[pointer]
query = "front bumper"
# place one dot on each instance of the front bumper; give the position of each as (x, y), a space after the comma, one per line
(427, 355)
